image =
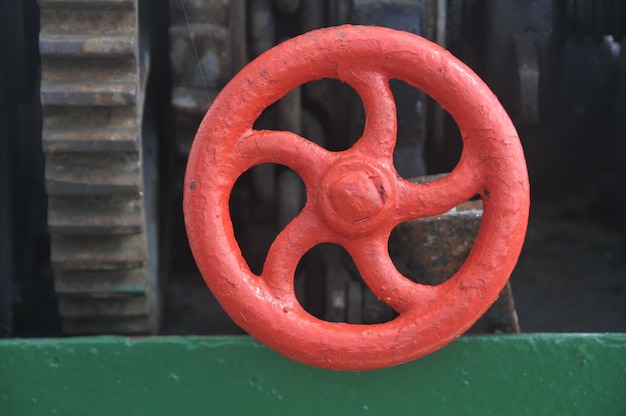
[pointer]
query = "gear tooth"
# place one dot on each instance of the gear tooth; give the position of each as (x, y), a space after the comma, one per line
(77, 307)
(97, 252)
(115, 282)
(91, 91)
(86, 44)
(128, 325)
(71, 129)
(89, 215)
(93, 173)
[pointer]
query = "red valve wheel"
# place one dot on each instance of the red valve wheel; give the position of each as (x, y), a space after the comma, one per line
(355, 197)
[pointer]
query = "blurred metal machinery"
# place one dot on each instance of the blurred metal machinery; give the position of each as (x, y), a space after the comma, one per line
(23, 243)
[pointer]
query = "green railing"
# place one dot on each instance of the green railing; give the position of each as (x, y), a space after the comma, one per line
(541, 374)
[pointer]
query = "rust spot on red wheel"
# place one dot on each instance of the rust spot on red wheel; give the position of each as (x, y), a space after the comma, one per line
(355, 197)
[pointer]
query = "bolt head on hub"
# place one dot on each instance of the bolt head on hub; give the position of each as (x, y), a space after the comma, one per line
(355, 196)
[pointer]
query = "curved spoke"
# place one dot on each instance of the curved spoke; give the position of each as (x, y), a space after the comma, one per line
(372, 259)
(381, 124)
(299, 236)
(285, 148)
(436, 198)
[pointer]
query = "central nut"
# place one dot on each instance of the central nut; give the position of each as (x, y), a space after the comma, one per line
(357, 196)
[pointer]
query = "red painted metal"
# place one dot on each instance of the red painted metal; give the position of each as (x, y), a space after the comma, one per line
(355, 197)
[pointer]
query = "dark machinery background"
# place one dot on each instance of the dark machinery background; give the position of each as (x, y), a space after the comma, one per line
(556, 65)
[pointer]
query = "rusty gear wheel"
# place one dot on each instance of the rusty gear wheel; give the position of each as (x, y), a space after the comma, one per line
(99, 167)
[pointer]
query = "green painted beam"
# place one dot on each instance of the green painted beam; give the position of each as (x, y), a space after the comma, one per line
(552, 374)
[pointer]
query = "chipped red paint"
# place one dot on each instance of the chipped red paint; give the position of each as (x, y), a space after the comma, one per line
(355, 197)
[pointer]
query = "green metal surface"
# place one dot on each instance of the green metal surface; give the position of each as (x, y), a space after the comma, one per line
(552, 374)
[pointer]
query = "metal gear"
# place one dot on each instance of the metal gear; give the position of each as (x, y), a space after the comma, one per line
(98, 171)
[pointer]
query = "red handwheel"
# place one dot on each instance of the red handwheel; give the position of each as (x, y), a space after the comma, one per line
(355, 198)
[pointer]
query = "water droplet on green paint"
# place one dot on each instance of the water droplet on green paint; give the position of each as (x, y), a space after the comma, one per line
(53, 362)
(256, 382)
(275, 394)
